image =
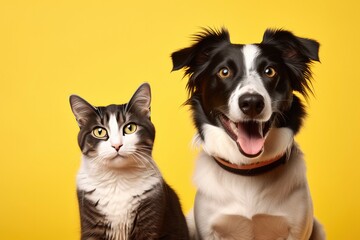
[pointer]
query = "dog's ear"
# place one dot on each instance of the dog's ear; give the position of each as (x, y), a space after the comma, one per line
(198, 53)
(182, 58)
(298, 53)
(195, 58)
(292, 46)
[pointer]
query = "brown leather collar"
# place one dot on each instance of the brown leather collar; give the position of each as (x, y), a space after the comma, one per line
(252, 169)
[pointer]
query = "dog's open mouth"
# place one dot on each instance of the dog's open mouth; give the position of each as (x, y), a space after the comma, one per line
(249, 135)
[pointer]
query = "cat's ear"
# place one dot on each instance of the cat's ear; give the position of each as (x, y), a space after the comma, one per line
(141, 100)
(82, 110)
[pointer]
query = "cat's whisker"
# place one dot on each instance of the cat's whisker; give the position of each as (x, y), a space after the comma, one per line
(139, 162)
(149, 162)
(143, 159)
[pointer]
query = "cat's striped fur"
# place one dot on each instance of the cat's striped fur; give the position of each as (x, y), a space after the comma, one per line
(121, 192)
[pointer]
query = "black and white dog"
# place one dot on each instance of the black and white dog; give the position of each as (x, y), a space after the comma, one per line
(250, 177)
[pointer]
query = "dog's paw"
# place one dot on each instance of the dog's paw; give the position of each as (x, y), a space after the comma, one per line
(233, 227)
(269, 227)
(260, 227)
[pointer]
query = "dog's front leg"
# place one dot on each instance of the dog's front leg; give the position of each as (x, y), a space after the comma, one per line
(317, 231)
(190, 220)
(303, 228)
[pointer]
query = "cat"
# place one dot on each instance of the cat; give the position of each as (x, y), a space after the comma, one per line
(121, 192)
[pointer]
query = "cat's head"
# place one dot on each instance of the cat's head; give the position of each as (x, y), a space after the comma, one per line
(116, 136)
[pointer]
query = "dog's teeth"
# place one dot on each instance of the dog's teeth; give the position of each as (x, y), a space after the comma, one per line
(233, 126)
(261, 129)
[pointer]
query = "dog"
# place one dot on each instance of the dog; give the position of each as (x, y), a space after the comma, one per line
(246, 105)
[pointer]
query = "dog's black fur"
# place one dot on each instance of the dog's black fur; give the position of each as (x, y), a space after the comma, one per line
(245, 92)
(290, 55)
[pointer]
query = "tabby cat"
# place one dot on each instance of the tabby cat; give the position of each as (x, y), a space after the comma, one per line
(121, 192)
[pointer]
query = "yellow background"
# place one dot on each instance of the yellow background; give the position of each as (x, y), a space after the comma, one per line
(102, 50)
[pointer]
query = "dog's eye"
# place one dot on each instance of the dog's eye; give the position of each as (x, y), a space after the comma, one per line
(224, 73)
(270, 72)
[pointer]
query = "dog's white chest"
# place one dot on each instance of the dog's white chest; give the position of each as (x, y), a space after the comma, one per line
(243, 200)
(250, 201)
(235, 194)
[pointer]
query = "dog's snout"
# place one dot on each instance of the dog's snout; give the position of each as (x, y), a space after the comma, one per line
(251, 104)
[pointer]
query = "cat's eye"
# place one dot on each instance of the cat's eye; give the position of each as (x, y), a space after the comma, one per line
(130, 128)
(100, 133)
(224, 73)
(270, 72)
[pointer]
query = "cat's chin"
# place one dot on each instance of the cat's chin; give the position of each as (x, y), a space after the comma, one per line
(114, 160)
(119, 162)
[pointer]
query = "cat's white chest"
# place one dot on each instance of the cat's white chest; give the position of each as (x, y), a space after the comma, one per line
(115, 197)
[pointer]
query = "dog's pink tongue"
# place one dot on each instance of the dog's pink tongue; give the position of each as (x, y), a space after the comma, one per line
(249, 139)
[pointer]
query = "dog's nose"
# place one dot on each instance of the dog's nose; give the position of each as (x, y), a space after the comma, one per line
(251, 104)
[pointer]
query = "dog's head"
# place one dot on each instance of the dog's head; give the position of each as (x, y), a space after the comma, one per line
(244, 91)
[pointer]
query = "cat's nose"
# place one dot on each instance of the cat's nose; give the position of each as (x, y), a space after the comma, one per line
(117, 146)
